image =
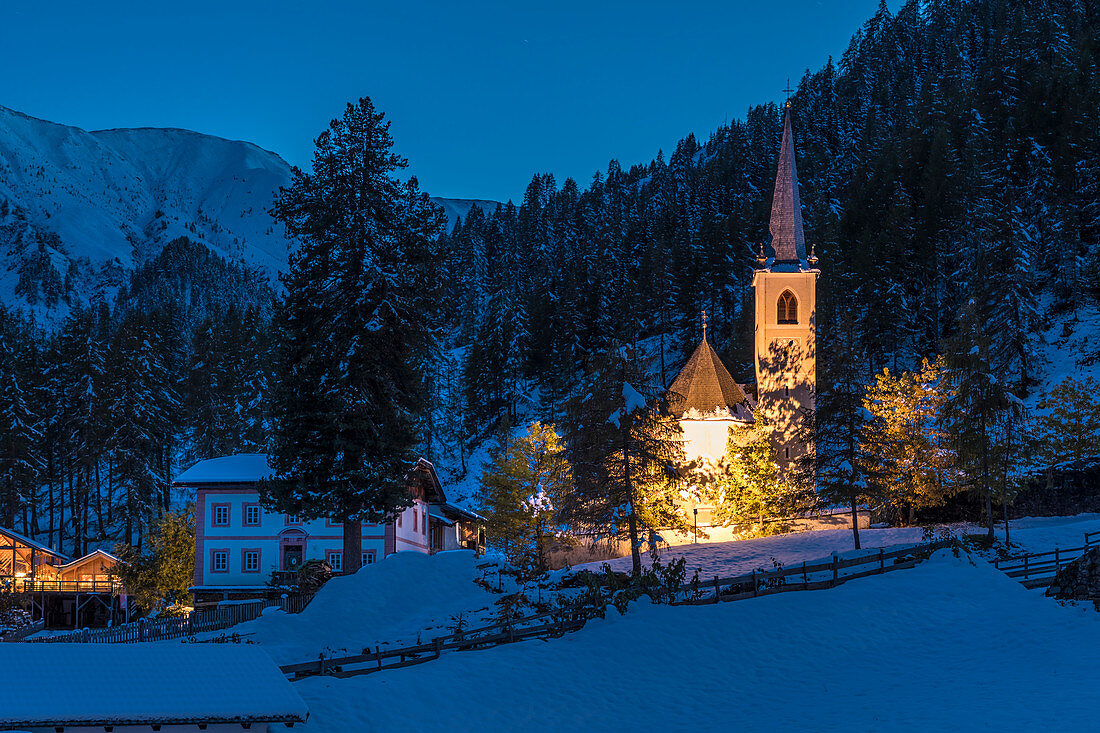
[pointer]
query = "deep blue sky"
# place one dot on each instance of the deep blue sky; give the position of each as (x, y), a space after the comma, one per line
(480, 95)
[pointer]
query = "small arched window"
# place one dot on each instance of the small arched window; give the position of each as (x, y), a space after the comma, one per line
(787, 308)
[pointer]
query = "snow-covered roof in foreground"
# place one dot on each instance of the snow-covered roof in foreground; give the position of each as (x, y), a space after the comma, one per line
(238, 469)
(143, 684)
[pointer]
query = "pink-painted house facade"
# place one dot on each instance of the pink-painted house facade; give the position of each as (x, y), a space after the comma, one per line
(238, 543)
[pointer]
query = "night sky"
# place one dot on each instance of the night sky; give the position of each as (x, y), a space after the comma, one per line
(481, 96)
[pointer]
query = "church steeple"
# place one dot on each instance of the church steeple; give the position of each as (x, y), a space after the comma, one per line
(788, 238)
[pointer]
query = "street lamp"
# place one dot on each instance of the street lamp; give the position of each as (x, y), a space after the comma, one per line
(695, 511)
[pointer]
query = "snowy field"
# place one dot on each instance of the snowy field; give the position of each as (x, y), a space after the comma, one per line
(949, 645)
(725, 559)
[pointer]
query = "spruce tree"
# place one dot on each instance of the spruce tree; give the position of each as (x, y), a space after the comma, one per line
(349, 398)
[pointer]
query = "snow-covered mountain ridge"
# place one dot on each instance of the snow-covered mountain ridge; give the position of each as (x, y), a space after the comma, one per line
(80, 209)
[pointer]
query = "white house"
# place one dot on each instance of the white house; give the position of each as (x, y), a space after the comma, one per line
(238, 543)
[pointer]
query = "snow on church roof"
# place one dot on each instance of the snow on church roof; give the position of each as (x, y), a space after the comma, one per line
(244, 468)
(704, 385)
(142, 684)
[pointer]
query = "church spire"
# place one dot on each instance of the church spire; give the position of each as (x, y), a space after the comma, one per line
(788, 238)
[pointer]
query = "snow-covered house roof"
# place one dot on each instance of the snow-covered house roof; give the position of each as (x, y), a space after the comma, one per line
(705, 386)
(28, 542)
(244, 468)
(143, 684)
(90, 556)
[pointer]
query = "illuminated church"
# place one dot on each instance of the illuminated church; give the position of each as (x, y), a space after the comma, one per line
(711, 404)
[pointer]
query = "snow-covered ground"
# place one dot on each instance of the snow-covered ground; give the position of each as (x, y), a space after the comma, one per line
(952, 644)
(725, 559)
(388, 603)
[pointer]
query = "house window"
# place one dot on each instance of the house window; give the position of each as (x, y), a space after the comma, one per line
(787, 308)
(219, 561)
(252, 515)
(250, 561)
(335, 561)
(368, 557)
(220, 515)
(293, 519)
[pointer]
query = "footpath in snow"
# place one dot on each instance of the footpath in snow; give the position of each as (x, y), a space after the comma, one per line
(950, 645)
(726, 559)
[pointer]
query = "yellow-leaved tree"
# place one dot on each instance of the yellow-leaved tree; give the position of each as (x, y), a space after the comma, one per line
(909, 454)
(521, 493)
(749, 487)
(159, 576)
(1068, 421)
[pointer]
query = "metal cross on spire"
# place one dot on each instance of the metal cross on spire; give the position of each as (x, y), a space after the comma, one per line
(704, 324)
(788, 90)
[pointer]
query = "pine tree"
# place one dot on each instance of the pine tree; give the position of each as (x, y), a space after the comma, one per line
(20, 462)
(349, 399)
(624, 447)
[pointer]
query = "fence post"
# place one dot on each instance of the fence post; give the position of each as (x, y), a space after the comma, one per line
(437, 643)
(754, 588)
(1025, 567)
(87, 636)
(881, 561)
(141, 630)
(378, 656)
(836, 560)
(805, 578)
(717, 593)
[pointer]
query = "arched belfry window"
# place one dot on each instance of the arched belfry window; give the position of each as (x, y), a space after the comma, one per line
(787, 308)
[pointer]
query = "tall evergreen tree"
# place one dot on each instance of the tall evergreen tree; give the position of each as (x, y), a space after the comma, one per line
(349, 400)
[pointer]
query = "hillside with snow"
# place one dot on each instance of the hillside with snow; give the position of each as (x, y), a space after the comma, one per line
(80, 210)
(952, 644)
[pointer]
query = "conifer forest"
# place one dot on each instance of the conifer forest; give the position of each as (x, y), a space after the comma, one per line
(949, 164)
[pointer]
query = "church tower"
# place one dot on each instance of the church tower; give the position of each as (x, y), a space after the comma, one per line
(785, 294)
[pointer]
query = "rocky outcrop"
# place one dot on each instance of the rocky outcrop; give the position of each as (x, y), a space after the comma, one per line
(1078, 580)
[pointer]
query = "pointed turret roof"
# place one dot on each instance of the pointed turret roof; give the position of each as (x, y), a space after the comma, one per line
(788, 238)
(705, 385)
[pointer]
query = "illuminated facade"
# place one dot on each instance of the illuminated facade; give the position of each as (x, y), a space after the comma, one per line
(785, 287)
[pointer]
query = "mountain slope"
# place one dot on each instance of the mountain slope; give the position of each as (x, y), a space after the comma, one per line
(79, 210)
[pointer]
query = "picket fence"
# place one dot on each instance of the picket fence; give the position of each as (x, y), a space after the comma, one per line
(571, 618)
(178, 627)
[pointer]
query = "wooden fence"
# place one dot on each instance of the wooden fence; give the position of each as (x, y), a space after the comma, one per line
(1037, 569)
(571, 618)
(826, 574)
(178, 627)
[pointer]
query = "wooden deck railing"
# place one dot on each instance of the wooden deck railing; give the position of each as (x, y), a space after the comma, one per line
(571, 618)
(178, 627)
(31, 585)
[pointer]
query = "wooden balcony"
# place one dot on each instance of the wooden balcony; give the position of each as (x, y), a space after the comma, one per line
(33, 585)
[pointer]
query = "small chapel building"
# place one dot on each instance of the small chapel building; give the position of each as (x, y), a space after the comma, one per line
(710, 404)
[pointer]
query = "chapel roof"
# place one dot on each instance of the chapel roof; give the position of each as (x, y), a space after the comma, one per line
(704, 385)
(788, 236)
